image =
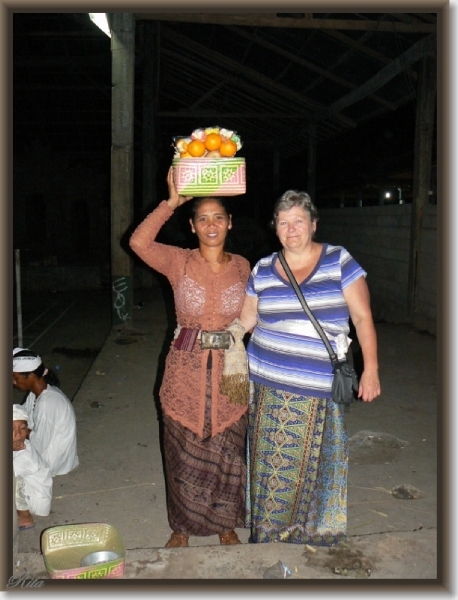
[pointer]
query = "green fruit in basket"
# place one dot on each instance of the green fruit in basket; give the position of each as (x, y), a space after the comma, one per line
(238, 142)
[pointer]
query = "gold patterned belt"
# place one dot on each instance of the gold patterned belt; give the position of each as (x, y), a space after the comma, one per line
(186, 338)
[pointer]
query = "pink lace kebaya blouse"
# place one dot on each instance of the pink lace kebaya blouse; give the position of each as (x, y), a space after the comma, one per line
(203, 300)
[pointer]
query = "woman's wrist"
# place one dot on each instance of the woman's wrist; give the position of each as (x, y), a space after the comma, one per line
(370, 368)
(173, 204)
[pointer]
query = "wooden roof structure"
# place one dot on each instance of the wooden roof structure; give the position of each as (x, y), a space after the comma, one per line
(348, 80)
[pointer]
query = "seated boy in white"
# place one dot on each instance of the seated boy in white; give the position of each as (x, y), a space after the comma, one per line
(33, 475)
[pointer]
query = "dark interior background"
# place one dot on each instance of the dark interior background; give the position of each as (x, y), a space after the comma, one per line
(268, 83)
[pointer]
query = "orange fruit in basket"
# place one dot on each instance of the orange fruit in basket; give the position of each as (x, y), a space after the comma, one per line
(212, 141)
(228, 148)
(196, 148)
(185, 155)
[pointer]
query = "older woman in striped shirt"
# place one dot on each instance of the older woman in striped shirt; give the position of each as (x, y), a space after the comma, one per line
(297, 441)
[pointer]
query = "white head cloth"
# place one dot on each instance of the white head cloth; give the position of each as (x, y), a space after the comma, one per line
(25, 364)
(19, 413)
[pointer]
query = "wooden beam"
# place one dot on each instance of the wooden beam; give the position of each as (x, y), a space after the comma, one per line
(261, 20)
(240, 122)
(429, 18)
(36, 86)
(209, 94)
(249, 88)
(49, 122)
(45, 62)
(149, 143)
(248, 73)
(359, 46)
(186, 114)
(236, 69)
(346, 54)
(424, 131)
(122, 157)
(379, 112)
(426, 46)
(410, 18)
(305, 63)
(275, 176)
(311, 161)
(149, 110)
(405, 18)
(97, 33)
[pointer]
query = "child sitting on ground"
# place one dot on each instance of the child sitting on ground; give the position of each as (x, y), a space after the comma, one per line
(33, 475)
(50, 413)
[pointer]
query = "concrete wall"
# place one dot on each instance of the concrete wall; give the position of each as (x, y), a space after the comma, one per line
(425, 316)
(379, 239)
(377, 236)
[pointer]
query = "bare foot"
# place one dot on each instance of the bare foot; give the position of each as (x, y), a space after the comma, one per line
(24, 519)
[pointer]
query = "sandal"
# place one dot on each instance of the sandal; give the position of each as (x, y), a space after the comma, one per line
(24, 527)
(178, 540)
(228, 538)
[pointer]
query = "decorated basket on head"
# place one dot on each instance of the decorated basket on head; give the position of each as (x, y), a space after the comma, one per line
(205, 164)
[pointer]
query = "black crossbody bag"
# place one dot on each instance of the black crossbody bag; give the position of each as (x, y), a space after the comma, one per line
(345, 381)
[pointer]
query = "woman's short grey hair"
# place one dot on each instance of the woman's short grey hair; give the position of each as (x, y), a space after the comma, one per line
(294, 198)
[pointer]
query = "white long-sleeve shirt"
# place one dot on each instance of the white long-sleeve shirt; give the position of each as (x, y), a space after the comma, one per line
(33, 481)
(53, 423)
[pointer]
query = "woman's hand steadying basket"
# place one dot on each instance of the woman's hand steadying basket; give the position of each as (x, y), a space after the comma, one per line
(175, 200)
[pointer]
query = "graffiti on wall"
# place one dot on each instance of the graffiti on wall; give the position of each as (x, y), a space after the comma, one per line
(121, 292)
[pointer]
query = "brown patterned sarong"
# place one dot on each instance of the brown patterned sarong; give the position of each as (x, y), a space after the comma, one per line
(205, 477)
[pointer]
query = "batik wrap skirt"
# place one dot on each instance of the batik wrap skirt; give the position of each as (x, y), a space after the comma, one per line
(297, 456)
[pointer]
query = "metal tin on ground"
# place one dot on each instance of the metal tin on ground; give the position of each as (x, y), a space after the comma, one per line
(64, 547)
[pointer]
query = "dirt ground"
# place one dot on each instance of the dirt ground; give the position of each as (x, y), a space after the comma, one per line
(392, 493)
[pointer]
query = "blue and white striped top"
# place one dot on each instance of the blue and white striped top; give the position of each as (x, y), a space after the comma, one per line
(285, 351)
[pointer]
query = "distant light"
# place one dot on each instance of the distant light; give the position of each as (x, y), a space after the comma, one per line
(100, 19)
(387, 194)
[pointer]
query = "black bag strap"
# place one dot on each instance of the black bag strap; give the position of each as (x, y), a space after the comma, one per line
(300, 295)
